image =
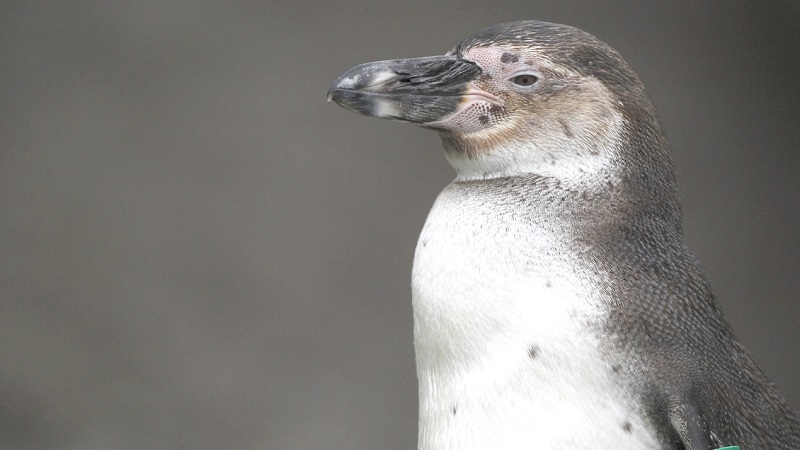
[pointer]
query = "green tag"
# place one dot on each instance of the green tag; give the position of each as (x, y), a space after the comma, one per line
(732, 447)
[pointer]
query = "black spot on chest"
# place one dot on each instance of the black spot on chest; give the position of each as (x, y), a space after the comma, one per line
(627, 427)
(533, 352)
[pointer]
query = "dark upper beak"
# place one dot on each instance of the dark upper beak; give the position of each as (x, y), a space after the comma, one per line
(417, 90)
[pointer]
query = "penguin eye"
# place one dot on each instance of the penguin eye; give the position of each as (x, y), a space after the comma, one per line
(524, 80)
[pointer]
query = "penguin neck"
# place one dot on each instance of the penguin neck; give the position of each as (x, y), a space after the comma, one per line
(628, 176)
(517, 155)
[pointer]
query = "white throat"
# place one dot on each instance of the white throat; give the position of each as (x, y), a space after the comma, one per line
(568, 164)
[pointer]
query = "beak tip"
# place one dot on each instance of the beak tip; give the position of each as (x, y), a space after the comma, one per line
(331, 95)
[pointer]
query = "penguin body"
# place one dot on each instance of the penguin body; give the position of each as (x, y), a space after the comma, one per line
(508, 330)
(556, 304)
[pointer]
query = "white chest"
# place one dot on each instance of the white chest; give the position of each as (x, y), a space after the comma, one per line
(507, 356)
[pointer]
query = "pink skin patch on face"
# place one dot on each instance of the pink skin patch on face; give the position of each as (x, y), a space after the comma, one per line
(482, 107)
(474, 113)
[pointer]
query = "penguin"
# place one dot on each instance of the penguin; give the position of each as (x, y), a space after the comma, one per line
(556, 304)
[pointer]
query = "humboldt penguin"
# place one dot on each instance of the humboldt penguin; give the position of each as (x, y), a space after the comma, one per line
(556, 304)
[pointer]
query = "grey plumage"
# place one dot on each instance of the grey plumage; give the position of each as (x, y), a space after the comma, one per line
(576, 172)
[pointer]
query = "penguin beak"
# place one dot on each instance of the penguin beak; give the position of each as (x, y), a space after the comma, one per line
(417, 90)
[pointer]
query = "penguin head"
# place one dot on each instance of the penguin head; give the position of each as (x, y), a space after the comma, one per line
(516, 98)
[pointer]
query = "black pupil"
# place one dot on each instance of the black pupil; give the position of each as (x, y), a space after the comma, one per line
(524, 80)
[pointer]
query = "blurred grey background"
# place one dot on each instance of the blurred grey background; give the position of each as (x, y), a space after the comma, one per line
(196, 251)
